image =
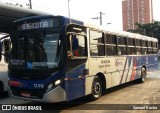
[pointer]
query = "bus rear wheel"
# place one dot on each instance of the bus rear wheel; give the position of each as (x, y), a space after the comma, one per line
(96, 88)
(143, 75)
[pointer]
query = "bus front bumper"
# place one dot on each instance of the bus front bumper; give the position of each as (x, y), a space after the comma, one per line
(56, 95)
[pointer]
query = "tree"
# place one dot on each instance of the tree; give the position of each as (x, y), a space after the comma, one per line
(149, 29)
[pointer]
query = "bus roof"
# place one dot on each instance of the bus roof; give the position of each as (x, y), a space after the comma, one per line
(123, 33)
(113, 32)
(9, 13)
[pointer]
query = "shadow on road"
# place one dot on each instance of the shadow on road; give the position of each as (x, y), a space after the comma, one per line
(119, 87)
(3, 95)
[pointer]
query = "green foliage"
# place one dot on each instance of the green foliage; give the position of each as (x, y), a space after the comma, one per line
(150, 29)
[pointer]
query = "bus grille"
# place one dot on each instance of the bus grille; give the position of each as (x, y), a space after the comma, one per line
(33, 94)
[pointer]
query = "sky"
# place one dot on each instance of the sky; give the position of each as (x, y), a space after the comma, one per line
(85, 10)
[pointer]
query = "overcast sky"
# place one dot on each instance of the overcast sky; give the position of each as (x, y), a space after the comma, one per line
(86, 9)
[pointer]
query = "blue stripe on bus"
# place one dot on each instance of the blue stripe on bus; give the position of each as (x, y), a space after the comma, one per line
(150, 61)
(123, 71)
(129, 66)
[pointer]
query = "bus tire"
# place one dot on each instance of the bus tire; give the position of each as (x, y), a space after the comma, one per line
(96, 90)
(143, 75)
(1, 87)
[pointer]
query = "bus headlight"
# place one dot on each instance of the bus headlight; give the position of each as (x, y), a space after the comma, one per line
(57, 82)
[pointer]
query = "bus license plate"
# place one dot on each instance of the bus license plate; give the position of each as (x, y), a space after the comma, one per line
(24, 94)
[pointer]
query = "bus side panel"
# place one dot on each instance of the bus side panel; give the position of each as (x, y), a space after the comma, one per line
(88, 84)
(142, 60)
(123, 70)
(126, 70)
(135, 68)
(120, 65)
(95, 66)
(152, 63)
(139, 66)
(131, 68)
(75, 85)
(108, 78)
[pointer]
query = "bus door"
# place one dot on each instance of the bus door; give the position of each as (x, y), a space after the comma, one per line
(76, 64)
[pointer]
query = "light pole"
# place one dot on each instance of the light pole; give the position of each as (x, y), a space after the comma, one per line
(101, 17)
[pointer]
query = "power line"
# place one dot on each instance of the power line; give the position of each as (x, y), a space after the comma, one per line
(18, 3)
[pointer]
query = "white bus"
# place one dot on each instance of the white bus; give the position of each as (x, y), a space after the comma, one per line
(4, 59)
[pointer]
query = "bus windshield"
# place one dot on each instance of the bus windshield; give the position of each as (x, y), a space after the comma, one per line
(35, 50)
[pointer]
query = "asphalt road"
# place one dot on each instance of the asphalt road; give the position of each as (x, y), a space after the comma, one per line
(132, 97)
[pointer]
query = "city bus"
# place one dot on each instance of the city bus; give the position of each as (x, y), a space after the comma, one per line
(5, 45)
(54, 59)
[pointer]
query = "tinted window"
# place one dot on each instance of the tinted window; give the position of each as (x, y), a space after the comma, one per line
(111, 50)
(122, 50)
(150, 51)
(138, 51)
(138, 42)
(144, 50)
(121, 41)
(110, 39)
(131, 50)
(97, 43)
(144, 43)
(149, 44)
(155, 51)
(97, 50)
(131, 42)
(154, 44)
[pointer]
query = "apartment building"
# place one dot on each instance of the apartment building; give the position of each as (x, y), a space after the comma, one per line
(136, 11)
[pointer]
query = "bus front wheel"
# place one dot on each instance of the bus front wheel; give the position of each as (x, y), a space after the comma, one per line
(96, 88)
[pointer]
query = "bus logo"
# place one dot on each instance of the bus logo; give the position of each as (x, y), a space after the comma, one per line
(29, 65)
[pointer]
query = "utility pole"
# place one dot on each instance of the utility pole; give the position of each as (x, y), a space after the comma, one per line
(100, 17)
(69, 11)
(30, 3)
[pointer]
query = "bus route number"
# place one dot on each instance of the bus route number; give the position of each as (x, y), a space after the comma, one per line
(38, 85)
(35, 25)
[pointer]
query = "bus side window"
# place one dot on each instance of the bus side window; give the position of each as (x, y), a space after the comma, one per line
(7, 47)
(76, 45)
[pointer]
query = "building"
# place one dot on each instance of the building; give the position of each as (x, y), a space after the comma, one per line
(136, 11)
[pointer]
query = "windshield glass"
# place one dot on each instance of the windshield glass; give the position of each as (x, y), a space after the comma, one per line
(36, 50)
